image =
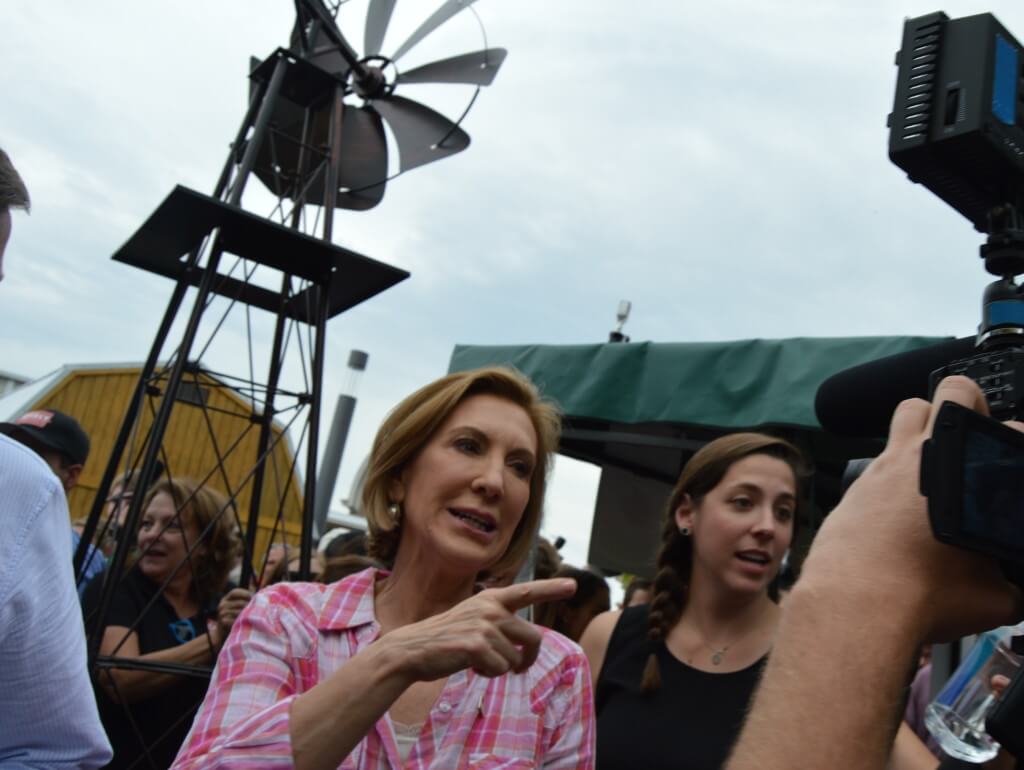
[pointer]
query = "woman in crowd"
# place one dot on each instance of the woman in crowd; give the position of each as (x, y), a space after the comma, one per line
(674, 677)
(413, 665)
(167, 609)
(571, 616)
(637, 592)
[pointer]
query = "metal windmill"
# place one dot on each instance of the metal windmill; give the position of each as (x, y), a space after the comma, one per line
(364, 100)
(314, 135)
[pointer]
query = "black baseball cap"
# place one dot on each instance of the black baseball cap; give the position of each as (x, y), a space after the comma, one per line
(52, 429)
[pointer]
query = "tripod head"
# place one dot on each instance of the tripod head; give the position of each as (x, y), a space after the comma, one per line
(1002, 311)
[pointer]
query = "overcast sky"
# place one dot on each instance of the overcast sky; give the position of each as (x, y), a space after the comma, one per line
(722, 165)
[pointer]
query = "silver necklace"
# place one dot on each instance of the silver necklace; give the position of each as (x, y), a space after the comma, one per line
(717, 653)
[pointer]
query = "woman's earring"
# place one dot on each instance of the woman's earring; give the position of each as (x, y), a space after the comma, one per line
(395, 511)
(684, 531)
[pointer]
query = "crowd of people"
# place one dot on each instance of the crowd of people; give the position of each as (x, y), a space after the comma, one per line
(422, 644)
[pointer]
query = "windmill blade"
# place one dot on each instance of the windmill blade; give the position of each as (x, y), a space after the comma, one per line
(422, 134)
(362, 159)
(441, 15)
(477, 68)
(377, 19)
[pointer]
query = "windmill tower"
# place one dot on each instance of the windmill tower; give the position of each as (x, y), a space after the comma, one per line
(314, 136)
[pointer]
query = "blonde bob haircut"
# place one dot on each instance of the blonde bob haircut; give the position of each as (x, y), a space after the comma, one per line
(412, 423)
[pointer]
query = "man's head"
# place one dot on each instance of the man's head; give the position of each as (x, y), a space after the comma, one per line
(13, 195)
(55, 437)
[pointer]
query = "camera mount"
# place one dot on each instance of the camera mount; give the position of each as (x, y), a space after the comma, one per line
(957, 127)
(1002, 311)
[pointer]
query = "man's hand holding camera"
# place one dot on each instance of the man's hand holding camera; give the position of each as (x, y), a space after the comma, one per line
(875, 586)
(878, 542)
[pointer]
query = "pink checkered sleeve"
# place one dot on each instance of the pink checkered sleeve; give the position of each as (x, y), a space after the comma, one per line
(244, 720)
(569, 718)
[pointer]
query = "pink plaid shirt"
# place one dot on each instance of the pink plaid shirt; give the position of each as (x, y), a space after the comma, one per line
(293, 635)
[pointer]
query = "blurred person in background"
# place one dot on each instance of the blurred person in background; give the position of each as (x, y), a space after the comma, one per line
(637, 592)
(340, 567)
(119, 499)
(571, 616)
(62, 443)
(340, 543)
(172, 606)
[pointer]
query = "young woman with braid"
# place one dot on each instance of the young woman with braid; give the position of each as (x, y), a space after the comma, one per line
(674, 678)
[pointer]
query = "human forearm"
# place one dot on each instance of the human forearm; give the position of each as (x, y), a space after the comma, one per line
(329, 721)
(875, 585)
(835, 668)
(127, 685)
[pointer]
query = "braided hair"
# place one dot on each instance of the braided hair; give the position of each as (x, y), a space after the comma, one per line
(700, 475)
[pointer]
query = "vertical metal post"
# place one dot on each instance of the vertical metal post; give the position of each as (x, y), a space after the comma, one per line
(123, 436)
(135, 404)
(163, 415)
(266, 424)
(328, 475)
(331, 462)
(309, 497)
(273, 378)
(334, 162)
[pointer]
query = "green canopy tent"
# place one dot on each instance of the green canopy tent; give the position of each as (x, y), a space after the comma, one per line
(640, 410)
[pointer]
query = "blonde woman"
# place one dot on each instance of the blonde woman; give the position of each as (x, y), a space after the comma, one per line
(412, 666)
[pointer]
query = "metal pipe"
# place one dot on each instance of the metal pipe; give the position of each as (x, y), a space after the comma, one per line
(163, 415)
(336, 440)
(323, 292)
(259, 130)
(135, 404)
(266, 423)
(127, 425)
(328, 476)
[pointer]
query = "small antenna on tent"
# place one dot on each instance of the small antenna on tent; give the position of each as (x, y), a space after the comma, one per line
(622, 316)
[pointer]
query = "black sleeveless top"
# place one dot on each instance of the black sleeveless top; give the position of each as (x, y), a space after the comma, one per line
(689, 723)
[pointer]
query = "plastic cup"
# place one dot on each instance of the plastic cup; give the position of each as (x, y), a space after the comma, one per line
(957, 715)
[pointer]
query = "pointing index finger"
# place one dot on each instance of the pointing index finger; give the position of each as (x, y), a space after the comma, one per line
(519, 595)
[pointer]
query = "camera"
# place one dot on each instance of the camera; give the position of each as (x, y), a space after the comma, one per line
(998, 367)
(957, 127)
(972, 472)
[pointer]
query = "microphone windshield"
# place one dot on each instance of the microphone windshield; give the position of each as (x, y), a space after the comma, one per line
(859, 401)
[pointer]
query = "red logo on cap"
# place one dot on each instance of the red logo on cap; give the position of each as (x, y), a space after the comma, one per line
(38, 419)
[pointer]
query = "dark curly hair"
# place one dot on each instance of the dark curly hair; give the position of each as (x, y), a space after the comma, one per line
(702, 473)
